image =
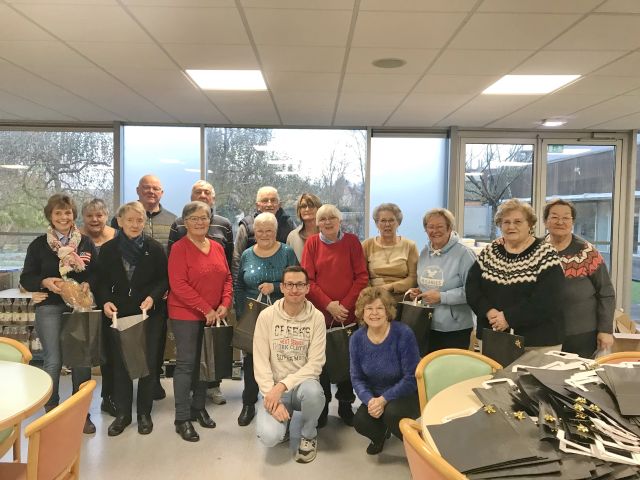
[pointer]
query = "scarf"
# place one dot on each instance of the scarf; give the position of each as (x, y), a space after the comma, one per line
(70, 261)
(324, 239)
(131, 249)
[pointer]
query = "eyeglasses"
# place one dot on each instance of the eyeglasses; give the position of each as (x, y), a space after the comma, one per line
(515, 223)
(310, 206)
(434, 228)
(203, 219)
(150, 188)
(327, 219)
(297, 286)
(371, 309)
(269, 200)
(202, 191)
(561, 219)
(390, 221)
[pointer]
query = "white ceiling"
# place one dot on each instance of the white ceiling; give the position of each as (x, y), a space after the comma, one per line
(123, 60)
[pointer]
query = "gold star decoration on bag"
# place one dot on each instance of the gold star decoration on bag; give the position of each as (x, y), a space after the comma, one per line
(582, 429)
(578, 408)
(549, 418)
(489, 409)
(581, 400)
(594, 408)
(519, 415)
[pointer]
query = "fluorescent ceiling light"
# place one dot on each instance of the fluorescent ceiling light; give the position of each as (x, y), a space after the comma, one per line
(553, 123)
(14, 167)
(228, 79)
(529, 84)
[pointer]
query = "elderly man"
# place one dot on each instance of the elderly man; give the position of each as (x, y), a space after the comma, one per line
(267, 200)
(219, 230)
(289, 352)
(157, 226)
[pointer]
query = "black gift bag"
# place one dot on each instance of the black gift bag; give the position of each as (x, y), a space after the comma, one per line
(337, 352)
(243, 331)
(216, 356)
(504, 347)
(81, 338)
(418, 317)
(132, 338)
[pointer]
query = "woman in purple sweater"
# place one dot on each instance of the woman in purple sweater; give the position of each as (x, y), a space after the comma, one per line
(384, 356)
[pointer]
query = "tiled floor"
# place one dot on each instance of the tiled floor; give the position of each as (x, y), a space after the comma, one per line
(228, 451)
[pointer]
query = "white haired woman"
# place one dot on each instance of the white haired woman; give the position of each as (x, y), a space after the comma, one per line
(259, 271)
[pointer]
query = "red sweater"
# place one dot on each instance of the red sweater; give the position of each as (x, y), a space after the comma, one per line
(198, 282)
(337, 271)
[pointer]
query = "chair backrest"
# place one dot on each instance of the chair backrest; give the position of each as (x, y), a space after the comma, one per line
(619, 357)
(56, 437)
(424, 462)
(446, 367)
(13, 351)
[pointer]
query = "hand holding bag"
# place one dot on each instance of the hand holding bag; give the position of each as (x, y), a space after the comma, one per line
(80, 338)
(418, 317)
(504, 347)
(132, 338)
(216, 357)
(337, 352)
(243, 332)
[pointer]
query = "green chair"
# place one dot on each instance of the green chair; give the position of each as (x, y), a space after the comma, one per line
(443, 368)
(12, 351)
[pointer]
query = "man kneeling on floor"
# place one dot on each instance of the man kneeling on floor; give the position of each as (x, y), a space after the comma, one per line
(288, 355)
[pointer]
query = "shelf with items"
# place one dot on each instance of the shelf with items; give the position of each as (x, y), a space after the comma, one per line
(17, 319)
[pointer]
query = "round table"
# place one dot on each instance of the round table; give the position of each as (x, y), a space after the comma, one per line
(455, 400)
(24, 390)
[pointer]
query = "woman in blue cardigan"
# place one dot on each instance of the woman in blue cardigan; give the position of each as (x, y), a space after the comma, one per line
(384, 356)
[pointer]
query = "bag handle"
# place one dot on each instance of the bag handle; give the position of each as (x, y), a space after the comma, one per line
(221, 320)
(114, 320)
(259, 299)
(415, 300)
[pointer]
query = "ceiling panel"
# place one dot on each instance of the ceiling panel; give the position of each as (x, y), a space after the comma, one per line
(405, 30)
(601, 32)
(609, 110)
(478, 62)
(418, 5)
(511, 31)
(629, 66)
(64, 2)
(453, 84)
(539, 6)
(248, 108)
(566, 62)
(369, 83)
(16, 107)
(202, 56)
(294, 108)
(14, 26)
(485, 108)
(179, 3)
(306, 4)
(299, 27)
(620, 6)
(620, 123)
(360, 60)
(125, 55)
(423, 109)
(360, 109)
(42, 54)
(301, 59)
(283, 82)
(606, 85)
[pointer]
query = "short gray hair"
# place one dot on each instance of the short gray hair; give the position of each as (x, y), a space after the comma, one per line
(512, 205)
(204, 183)
(97, 204)
(194, 206)
(444, 213)
(328, 210)
(266, 190)
(266, 218)
(135, 206)
(388, 207)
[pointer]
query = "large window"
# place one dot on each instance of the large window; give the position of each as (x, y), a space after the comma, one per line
(635, 251)
(36, 164)
(328, 163)
(494, 172)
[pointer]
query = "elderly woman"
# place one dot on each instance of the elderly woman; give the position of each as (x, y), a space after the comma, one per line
(589, 298)
(308, 205)
(63, 252)
(337, 273)
(442, 272)
(384, 356)
(94, 225)
(518, 283)
(201, 293)
(132, 278)
(391, 259)
(260, 271)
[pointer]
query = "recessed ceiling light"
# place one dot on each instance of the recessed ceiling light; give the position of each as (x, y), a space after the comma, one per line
(228, 79)
(553, 123)
(14, 167)
(389, 63)
(529, 84)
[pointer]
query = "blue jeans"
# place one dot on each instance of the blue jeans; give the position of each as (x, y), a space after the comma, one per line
(308, 398)
(49, 326)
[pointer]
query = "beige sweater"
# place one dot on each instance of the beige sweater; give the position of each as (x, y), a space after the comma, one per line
(288, 349)
(396, 265)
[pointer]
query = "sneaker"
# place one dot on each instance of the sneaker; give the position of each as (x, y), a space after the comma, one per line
(216, 396)
(307, 450)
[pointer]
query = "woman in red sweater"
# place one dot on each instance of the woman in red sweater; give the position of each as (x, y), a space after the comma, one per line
(201, 293)
(337, 273)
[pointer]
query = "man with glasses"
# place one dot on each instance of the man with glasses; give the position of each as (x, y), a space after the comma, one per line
(220, 231)
(267, 200)
(289, 352)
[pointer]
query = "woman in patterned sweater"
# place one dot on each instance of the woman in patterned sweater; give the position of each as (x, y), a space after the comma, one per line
(517, 283)
(589, 297)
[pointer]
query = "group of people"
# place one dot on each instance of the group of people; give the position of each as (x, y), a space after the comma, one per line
(554, 291)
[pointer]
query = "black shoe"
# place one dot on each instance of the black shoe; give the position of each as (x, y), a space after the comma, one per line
(246, 415)
(346, 413)
(145, 425)
(186, 431)
(118, 425)
(324, 417)
(158, 392)
(375, 448)
(108, 406)
(89, 427)
(203, 418)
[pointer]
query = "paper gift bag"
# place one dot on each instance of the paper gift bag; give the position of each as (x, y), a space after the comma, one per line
(418, 317)
(80, 338)
(504, 347)
(132, 338)
(243, 331)
(216, 356)
(337, 352)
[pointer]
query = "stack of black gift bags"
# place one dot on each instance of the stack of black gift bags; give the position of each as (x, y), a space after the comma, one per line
(550, 417)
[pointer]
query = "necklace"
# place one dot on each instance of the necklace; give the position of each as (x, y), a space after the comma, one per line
(199, 243)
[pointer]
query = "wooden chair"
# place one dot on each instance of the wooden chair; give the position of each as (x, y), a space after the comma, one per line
(12, 351)
(619, 357)
(446, 367)
(55, 440)
(424, 461)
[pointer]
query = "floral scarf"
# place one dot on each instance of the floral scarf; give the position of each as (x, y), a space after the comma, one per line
(70, 261)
